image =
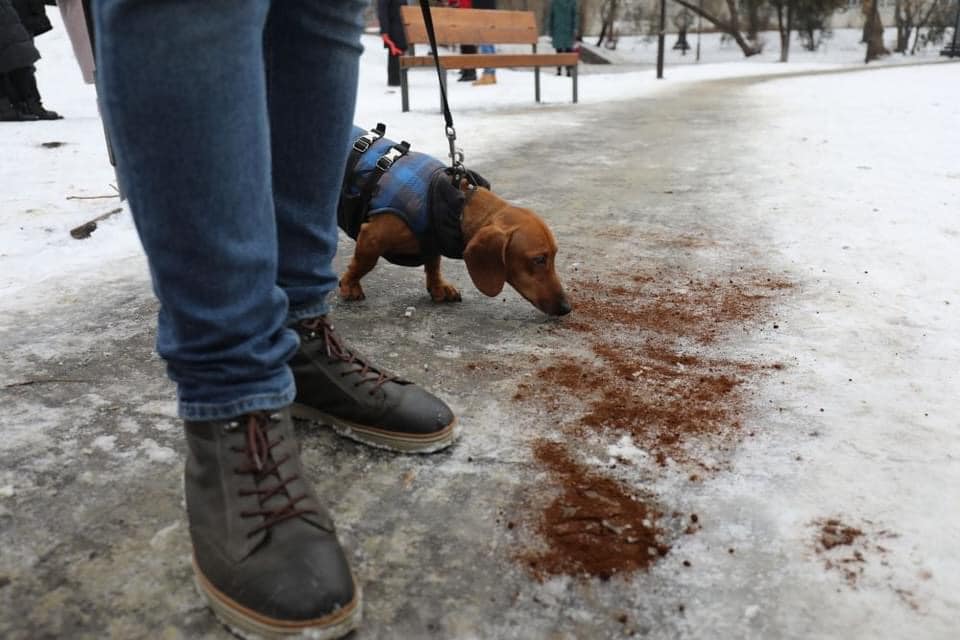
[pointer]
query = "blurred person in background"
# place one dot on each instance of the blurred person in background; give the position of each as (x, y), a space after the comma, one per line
(489, 75)
(563, 27)
(466, 75)
(19, 95)
(394, 40)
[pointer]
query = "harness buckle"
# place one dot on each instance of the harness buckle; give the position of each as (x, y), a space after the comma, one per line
(396, 152)
(366, 141)
(363, 143)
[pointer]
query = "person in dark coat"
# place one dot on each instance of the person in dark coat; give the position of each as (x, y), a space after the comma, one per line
(394, 40)
(466, 75)
(16, 53)
(563, 26)
(33, 16)
(20, 84)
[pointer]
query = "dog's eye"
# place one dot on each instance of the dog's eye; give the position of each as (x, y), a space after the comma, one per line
(540, 260)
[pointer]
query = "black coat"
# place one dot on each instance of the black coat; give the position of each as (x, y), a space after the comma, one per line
(16, 45)
(33, 16)
(388, 14)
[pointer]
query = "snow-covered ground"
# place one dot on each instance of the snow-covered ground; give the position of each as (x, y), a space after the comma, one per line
(37, 205)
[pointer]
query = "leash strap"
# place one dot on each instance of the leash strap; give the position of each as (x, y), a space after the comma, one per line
(456, 155)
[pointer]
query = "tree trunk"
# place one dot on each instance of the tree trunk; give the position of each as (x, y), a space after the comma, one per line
(609, 19)
(901, 27)
(753, 19)
(874, 31)
(731, 28)
(784, 32)
(922, 22)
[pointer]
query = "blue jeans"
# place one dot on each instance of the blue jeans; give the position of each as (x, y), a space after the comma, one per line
(488, 48)
(230, 121)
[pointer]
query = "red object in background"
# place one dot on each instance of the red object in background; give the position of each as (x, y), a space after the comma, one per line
(391, 45)
(461, 4)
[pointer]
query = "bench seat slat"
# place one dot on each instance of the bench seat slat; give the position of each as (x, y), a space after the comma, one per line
(470, 26)
(499, 60)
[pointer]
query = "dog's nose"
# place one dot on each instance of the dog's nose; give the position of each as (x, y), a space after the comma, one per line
(564, 308)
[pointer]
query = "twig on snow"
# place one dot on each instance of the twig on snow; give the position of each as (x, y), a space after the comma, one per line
(84, 230)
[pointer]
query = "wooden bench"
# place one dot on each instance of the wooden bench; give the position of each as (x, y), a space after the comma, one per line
(478, 26)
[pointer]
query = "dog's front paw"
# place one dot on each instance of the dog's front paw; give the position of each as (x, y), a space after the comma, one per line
(351, 291)
(445, 293)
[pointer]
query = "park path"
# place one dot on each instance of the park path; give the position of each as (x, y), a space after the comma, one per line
(668, 198)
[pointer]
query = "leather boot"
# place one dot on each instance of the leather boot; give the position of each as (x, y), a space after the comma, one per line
(9, 113)
(265, 552)
(36, 108)
(338, 387)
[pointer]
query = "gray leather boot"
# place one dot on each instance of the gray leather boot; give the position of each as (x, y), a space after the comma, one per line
(265, 553)
(339, 387)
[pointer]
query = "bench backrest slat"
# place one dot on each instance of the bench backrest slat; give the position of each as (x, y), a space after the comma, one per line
(471, 26)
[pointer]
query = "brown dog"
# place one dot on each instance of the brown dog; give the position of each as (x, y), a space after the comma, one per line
(504, 244)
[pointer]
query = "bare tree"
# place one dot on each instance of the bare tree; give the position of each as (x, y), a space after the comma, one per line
(910, 16)
(785, 24)
(873, 31)
(608, 18)
(730, 26)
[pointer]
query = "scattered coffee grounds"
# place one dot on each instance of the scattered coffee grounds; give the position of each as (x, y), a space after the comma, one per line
(672, 306)
(596, 527)
(834, 533)
(845, 548)
(655, 375)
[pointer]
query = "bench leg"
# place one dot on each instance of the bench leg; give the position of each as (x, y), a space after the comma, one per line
(404, 91)
(573, 75)
(536, 83)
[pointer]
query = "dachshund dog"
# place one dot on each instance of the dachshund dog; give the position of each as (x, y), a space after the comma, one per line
(501, 244)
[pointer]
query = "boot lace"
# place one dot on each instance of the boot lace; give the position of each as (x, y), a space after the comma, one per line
(261, 464)
(338, 351)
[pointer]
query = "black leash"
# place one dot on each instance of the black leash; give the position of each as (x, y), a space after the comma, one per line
(456, 155)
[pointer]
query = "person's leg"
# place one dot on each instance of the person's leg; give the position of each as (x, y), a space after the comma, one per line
(312, 51)
(489, 75)
(393, 70)
(183, 91)
(312, 76)
(187, 116)
(9, 98)
(25, 80)
(468, 75)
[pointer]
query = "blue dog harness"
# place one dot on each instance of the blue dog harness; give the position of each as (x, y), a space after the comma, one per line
(386, 177)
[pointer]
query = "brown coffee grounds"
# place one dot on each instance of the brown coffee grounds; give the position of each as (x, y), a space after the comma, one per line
(661, 402)
(654, 376)
(671, 306)
(834, 533)
(596, 527)
(845, 548)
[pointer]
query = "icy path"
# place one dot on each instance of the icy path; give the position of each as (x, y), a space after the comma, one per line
(856, 207)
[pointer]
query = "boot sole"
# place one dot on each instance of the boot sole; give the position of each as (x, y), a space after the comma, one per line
(250, 625)
(380, 438)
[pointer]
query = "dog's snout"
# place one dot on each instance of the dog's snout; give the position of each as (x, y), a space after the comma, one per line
(564, 308)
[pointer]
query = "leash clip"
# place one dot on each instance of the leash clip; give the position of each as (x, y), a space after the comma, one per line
(456, 154)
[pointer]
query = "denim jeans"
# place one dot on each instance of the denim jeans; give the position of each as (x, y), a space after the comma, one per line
(230, 120)
(488, 48)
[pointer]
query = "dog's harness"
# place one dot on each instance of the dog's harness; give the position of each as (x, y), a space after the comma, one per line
(386, 177)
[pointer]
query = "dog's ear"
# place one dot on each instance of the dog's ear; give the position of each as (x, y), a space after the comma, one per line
(486, 259)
